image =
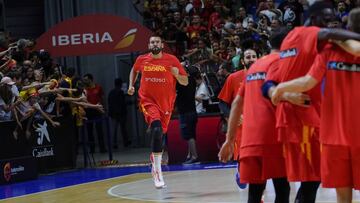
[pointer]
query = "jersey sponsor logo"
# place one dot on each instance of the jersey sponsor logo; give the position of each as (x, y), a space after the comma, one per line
(342, 66)
(154, 68)
(157, 80)
(256, 76)
(288, 53)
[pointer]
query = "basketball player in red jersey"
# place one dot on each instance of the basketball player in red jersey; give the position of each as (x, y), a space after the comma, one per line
(298, 127)
(230, 90)
(261, 155)
(339, 126)
(159, 73)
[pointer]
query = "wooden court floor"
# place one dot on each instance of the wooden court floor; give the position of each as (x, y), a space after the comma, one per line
(200, 186)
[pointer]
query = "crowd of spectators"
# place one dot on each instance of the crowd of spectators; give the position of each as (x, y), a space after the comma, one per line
(207, 33)
(33, 87)
(201, 33)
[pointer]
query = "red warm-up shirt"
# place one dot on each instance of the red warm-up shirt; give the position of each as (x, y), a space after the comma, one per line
(259, 113)
(298, 52)
(231, 86)
(340, 106)
(158, 85)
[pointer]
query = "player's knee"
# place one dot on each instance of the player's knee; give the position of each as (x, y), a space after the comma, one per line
(155, 123)
(156, 133)
(156, 139)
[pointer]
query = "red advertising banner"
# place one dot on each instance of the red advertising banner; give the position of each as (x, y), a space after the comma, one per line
(94, 34)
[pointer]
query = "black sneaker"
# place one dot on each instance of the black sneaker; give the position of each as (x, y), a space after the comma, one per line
(192, 161)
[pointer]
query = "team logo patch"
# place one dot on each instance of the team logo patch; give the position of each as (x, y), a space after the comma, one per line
(342, 66)
(288, 53)
(256, 76)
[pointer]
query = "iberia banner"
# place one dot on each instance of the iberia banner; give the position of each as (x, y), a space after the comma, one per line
(94, 34)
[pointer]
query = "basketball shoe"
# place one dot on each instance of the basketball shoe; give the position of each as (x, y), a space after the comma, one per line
(156, 174)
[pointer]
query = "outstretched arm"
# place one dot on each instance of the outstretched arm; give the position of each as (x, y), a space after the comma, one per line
(98, 107)
(46, 116)
(337, 34)
(350, 39)
(351, 46)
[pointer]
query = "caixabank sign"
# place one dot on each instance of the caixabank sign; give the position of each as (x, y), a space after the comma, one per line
(44, 146)
(52, 148)
(18, 169)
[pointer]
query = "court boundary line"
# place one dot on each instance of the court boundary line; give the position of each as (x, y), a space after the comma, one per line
(152, 200)
(70, 186)
(109, 191)
(101, 181)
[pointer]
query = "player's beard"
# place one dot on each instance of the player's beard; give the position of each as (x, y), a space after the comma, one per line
(156, 50)
(248, 65)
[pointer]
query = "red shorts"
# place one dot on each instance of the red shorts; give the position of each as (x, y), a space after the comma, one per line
(151, 113)
(340, 166)
(267, 162)
(302, 159)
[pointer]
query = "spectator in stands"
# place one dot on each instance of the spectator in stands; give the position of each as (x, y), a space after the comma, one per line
(68, 80)
(342, 12)
(94, 95)
(185, 102)
(201, 94)
(292, 12)
(237, 43)
(118, 113)
(275, 24)
(7, 99)
(29, 108)
(225, 69)
(195, 30)
(241, 14)
(229, 27)
(222, 53)
(29, 76)
(180, 35)
(199, 55)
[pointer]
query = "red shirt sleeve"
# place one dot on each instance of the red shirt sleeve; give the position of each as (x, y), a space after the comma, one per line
(241, 90)
(177, 64)
(137, 64)
(225, 93)
(318, 68)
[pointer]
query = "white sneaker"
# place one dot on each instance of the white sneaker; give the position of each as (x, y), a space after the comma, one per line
(157, 175)
(158, 179)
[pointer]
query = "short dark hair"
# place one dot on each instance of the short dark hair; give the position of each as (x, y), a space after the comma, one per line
(70, 71)
(277, 36)
(316, 8)
(118, 82)
(156, 35)
(90, 76)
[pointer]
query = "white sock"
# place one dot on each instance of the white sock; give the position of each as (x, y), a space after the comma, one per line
(157, 161)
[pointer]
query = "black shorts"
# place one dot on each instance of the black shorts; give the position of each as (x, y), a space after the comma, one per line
(188, 125)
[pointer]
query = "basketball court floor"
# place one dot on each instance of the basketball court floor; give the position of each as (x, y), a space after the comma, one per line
(201, 183)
